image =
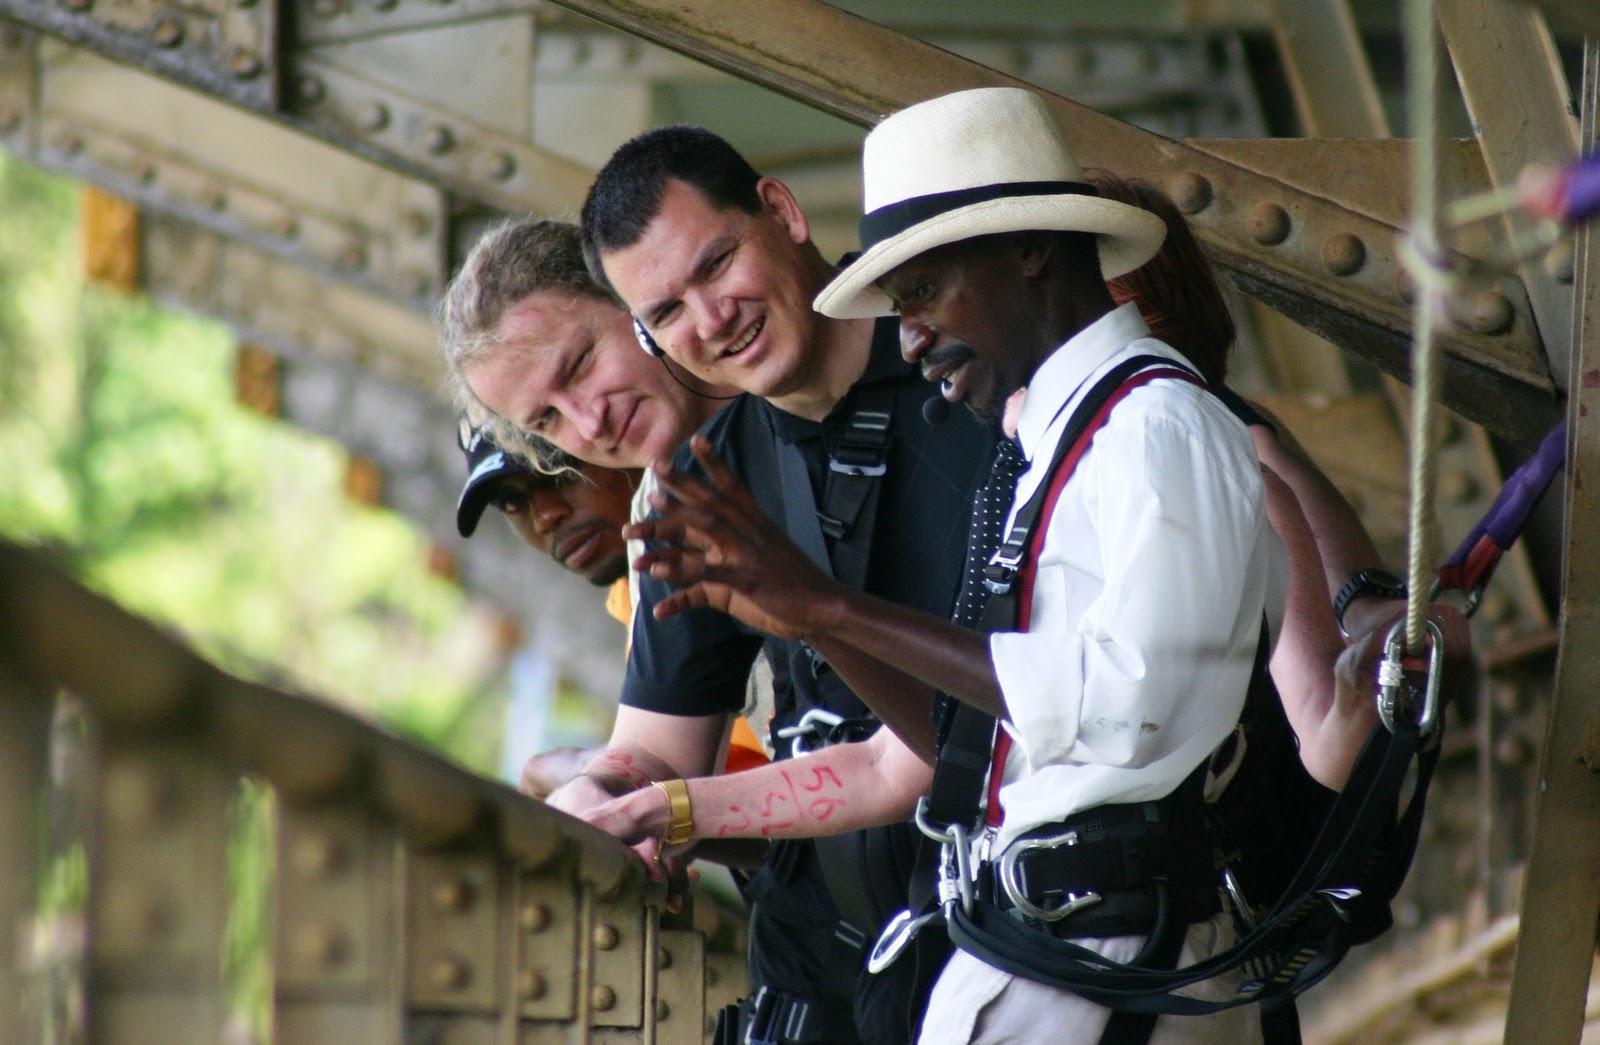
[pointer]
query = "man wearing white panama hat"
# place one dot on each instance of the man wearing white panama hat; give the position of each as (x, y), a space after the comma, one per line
(1145, 598)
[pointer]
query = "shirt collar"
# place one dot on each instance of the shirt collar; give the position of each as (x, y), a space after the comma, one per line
(883, 363)
(1064, 375)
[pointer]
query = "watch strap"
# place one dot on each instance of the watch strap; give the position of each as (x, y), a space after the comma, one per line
(1379, 583)
(680, 816)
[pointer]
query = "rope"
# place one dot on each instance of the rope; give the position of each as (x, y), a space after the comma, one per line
(1432, 280)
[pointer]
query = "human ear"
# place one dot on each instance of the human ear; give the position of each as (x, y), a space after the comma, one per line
(779, 203)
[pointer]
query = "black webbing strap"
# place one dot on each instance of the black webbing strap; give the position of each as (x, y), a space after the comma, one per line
(857, 461)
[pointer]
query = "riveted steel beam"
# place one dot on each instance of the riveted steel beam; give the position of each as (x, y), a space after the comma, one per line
(1561, 889)
(1277, 242)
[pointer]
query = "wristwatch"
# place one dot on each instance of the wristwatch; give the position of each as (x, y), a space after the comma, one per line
(1379, 583)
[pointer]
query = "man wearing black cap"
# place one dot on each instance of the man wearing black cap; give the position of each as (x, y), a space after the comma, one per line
(572, 511)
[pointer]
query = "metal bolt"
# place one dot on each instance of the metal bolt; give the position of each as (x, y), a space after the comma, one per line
(326, 8)
(319, 944)
(450, 973)
(1268, 224)
(286, 227)
(315, 855)
(500, 166)
(437, 139)
(213, 198)
(310, 89)
(1343, 253)
(455, 894)
(374, 116)
(354, 256)
(243, 63)
(1558, 262)
(531, 984)
(167, 31)
(1191, 191)
(144, 172)
(418, 223)
(665, 960)
(10, 119)
(662, 1011)
(606, 937)
(602, 998)
(534, 917)
(1489, 312)
(1511, 750)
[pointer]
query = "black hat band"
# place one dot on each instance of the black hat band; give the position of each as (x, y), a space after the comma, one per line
(895, 218)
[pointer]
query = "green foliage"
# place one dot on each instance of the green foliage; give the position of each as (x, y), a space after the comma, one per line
(122, 449)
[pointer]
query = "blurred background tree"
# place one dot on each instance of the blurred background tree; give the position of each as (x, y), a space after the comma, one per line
(123, 451)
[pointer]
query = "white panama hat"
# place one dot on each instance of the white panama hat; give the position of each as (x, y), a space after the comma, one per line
(971, 164)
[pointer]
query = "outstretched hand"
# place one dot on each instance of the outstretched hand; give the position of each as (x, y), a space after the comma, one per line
(710, 539)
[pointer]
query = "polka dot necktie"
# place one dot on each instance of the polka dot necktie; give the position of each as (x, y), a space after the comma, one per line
(989, 511)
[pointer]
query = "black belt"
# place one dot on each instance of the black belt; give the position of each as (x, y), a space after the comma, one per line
(1129, 912)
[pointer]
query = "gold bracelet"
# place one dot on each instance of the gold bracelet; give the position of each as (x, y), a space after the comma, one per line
(680, 825)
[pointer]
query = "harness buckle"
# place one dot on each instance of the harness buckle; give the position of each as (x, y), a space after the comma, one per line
(1001, 572)
(896, 936)
(1393, 685)
(1007, 872)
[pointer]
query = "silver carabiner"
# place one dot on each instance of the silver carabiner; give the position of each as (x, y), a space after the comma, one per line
(955, 859)
(896, 936)
(1392, 679)
(1007, 873)
(812, 725)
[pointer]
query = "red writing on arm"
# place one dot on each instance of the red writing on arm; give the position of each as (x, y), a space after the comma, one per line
(620, 763)
(822, 808)
(820, 776)
(734, 828)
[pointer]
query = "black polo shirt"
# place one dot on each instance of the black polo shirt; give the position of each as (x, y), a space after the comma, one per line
(697, 663)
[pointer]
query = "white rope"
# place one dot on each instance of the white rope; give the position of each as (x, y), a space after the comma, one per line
(1432, 281)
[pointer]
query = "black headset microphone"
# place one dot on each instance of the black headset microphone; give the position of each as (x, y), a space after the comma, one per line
(650, 347)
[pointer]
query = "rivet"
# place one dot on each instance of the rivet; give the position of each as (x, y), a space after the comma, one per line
(77, 5)
(453, 895)
(310, 90)
(1489, 312)
(662, 1011)
(10, 119)
(213, 198)
(315, 855)
(243, 63)
(1559, 262)
(354, 256)
(319, 944)
(326, 8)
(1511, 750)
(450, 973)
(1191, 191)
(286, 227)
(374, 116)
(437, 138)
(1343, 253)
(602, 998)
(144, 172)
(606, 937)
(499, 166)
(1457, 485)
(534, 917)
(1268, 224)
(531, 984)
(418, 223)
(665, 960)
(167, 31)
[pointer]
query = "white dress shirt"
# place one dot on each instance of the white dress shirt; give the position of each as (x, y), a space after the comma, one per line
(1155, 570)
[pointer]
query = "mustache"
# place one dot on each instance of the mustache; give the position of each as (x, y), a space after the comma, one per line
(946, 358)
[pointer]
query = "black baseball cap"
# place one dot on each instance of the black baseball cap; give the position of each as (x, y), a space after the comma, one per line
(487, 464)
